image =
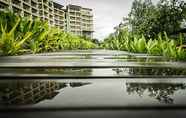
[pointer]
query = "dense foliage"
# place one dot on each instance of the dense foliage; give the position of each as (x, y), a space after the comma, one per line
(162, 45)
(149, 28)
(150, 18)
(23, 35)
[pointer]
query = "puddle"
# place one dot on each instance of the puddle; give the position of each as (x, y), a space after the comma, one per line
(92, 93)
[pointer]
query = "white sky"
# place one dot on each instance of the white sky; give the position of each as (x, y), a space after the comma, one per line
(107, 13)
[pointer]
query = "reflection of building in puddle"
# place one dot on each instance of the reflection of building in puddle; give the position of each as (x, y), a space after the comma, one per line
(160, 91)
(31, 92)
(78, 84)
(150, 71)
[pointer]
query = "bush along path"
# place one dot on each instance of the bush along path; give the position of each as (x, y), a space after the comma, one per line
(20, 35)
(162, 45)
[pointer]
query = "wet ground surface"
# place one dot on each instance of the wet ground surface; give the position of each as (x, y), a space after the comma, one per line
(91, 63)
(93, 79)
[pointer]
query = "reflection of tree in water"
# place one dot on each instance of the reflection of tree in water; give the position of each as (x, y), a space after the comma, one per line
(157, 71)
(160, 91)
(31, 92)
(150, 71)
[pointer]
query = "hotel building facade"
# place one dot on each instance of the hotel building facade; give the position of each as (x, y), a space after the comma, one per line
(73, 19)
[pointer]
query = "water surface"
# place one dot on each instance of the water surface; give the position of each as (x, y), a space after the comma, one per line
(90, 93)
(91, 79)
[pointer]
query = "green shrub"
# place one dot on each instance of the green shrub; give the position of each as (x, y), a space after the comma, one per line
(163, 45)
(23, 35)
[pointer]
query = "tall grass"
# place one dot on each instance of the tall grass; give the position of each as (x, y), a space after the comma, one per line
(23, 35)
(163, 45)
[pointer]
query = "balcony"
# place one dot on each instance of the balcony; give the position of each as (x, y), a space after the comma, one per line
(46, 18)
(72, 13)
(35, 1)
(50, 3)
(61, 22)
(16, 2)
(26, 14)
(61, 12)
(26, 7)
(61, 27)
(88, 29)
(51, 17)
(50, 8)
(75, 26)
(46, 7)
(51, 22)
(40, 6)
(57, 13)
(45, 1)
(33, 4)
(27, 2)
(16, 10)
(87, 19)
(56, 21)
(34, 11)
(35, 15)
(3, 6)
(5, 2)
(46, 14)
(40, 13)
(87, 14)
(16, 6)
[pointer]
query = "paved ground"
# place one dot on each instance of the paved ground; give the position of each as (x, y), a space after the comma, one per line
(144, 80)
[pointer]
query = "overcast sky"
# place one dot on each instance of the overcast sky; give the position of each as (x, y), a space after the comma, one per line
(107, 13)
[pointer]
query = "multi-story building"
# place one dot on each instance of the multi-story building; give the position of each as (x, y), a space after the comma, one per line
(59, 16)
(44, 9)
(87, 22)
(21, 7)
(74, 19)
(79, 20)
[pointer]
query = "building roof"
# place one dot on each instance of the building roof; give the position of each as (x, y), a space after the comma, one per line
(87, 9)
(77, 7)
(58, 5)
